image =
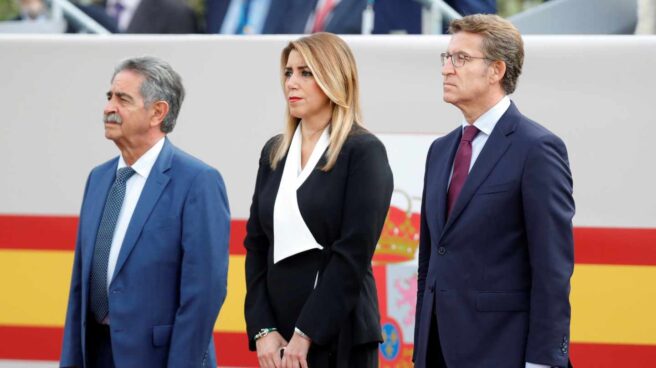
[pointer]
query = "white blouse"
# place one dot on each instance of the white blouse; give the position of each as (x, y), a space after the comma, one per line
(290, 232)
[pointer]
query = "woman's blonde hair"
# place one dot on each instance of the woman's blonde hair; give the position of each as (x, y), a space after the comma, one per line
(331, 62)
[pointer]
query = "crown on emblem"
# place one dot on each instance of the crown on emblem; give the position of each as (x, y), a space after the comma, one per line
(400, 237)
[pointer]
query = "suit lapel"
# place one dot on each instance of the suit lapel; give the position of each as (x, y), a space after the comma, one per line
(494, 148)
(155, 184)
(95, 201)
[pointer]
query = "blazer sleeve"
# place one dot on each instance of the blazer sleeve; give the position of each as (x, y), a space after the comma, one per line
(366, 203)
(424, 253)
(204, 269)
(257, 310)
(548, 211)
(71, 355)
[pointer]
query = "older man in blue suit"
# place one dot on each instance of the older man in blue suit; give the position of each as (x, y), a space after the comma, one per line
(496, 251)
(151, 259)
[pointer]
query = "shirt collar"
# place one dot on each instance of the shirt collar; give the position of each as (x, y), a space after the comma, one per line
(146, 162)
(486, 122)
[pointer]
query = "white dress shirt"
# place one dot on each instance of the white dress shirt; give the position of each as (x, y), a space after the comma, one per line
(133, 188)
(486, 123)
(532, 365)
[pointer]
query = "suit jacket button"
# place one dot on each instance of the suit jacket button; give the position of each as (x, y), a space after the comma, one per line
(441, 251)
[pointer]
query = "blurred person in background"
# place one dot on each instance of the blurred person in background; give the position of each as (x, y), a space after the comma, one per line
(405, 16)
(321, 196)
(336, 16)
(256, 16)
(32, 10)
(284, 16)
(152, 16)
(468, 7)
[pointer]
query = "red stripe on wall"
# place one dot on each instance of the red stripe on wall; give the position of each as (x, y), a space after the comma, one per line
(40, 343)
(59, 233)
(616, 246)
(621, 246)
(237, 235)
(38, 232)
(30, 343)
(43, 343)
(613, 356)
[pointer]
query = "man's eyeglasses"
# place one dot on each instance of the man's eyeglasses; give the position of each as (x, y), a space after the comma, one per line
(459, 59)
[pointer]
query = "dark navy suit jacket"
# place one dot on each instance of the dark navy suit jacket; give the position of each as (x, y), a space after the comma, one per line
(170, 278)
(496, 272)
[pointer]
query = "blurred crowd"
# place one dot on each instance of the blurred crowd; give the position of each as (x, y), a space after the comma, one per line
(254, 16)
(274, 16)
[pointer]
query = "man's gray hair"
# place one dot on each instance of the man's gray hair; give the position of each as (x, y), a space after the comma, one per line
(161, 83)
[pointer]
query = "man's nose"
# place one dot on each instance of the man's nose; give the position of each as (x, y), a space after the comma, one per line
(110, 107)
(447, 68)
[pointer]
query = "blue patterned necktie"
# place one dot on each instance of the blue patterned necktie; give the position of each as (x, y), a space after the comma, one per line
(98, 291)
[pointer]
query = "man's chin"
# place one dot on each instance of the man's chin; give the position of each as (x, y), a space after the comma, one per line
(110, 134)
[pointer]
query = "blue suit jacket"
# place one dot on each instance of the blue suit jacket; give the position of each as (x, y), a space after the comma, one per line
(497, 272)
(170, 277)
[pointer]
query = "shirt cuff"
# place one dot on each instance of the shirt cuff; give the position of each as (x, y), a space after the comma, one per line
(533, 365)
(301, 334)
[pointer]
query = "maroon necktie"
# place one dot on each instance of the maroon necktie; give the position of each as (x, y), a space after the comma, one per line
(461, 165)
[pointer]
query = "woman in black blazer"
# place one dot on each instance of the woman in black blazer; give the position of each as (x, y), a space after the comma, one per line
(323, 190)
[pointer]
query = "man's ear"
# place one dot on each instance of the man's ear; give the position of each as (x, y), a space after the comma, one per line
(159, 111)
(498, 71)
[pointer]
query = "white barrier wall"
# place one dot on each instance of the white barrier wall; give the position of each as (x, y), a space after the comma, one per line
(597, 93)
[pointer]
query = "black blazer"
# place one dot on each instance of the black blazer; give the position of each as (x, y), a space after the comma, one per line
(345, 209)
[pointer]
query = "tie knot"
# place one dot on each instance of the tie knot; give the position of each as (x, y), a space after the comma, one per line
(124, 174)
(469, 133)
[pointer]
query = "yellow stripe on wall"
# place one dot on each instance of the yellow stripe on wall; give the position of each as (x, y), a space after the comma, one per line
(614, 304)
(34, 290)
(231, 318)
(610, 304)
(34, 287)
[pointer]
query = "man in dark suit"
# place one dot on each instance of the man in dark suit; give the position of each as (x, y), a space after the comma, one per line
(496, 249)
(151, 259)
(153, 16)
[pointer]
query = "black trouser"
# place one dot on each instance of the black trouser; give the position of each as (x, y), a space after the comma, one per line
(99, 346)
(360, 356)
(434, 356)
